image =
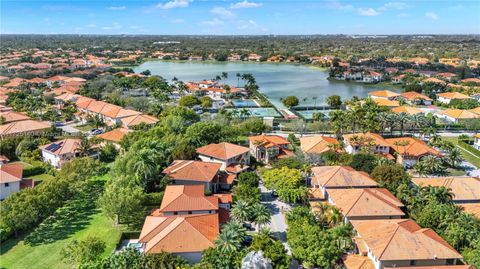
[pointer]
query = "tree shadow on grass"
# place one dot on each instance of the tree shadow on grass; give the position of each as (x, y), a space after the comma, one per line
(75, 215)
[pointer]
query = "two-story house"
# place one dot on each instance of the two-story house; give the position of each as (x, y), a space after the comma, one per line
(266, 148)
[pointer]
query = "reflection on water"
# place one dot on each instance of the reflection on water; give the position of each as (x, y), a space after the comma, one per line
(275, 80)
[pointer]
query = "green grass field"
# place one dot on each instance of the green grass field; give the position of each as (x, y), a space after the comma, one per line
(19, 255)
(465, 153)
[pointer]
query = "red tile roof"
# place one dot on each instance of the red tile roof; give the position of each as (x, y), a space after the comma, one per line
(11, 172)
(187, 198)
(222, 151)
(192, 170)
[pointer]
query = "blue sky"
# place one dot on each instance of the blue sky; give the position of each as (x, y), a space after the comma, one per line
(239, 17)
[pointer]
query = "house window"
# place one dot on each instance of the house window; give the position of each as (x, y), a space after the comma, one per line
(6, 184)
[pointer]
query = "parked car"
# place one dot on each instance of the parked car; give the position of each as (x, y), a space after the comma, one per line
(96, 132)
(58, 124)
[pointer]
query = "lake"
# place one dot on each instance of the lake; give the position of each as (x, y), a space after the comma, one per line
(275, 80)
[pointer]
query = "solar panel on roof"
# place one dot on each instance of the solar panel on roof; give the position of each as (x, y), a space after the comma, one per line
(53, 147)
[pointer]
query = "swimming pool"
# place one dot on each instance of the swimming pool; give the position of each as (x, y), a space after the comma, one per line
(255, 112)
(244, 103)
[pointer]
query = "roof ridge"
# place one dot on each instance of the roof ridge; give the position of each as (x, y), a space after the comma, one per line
(384, 200)
(355, 202)
(389, 241)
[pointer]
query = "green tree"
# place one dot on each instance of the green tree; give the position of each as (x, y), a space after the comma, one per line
(79, 252)
(364, 162)
(261, 215)
(334, 101)
(189, 101)
(241, 211)
(108, 153)
(390, 176)
(206, 102)
(290, 101)
(273, 249)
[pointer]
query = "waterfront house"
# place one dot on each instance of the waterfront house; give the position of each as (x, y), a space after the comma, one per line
(339, 177)
(447, 97)
(476, 142)
(366, 203)
(233, 158)
(407, 109)
(410, 150)
(402, 242)
(317, 144)
(415, 98)
(266, 148)
(187, 172)
(398, 79)
(372, 77)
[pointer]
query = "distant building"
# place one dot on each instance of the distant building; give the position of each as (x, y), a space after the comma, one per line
(186, 172)
(60, 152)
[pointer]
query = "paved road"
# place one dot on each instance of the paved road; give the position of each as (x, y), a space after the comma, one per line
(70, 129)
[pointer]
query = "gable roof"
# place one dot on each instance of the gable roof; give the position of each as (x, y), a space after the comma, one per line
(138, 119)
(11, 116)
(371, 202)
(412, 96)
(341, 176)
(317, 144)
(402, 239)
(384, 94)
(459, 114)
(409, 146)
(353, 261)
(268, 140)
(187, 198)
(222, 151)
(69, 145)
(180, 233)
(24, 126)
(377, 139)
(386, 102)
(453, 95)
(115, 135)
(11, 172)
(406, 109)
(192, 170)
(463, 188)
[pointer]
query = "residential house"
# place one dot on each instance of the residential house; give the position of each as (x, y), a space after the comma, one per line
(402, 242)
(373, 142)
(366, 203)
(410, 150)
(115, 136)
(476, 142)
(465, 190)
(339, 177)
(384, 94)
(187, 172)
(233, 158)
(456, 115)
(24, 128)
(415, 98)
(136, 120)
(12, 116)
(386, 102)
(317, 144)
(447, 76)
(372, 77)
(447, 97)
(60, 152)
(266, 148)
(407, 109)
(11, 175)
(355, 261)
(398, 79)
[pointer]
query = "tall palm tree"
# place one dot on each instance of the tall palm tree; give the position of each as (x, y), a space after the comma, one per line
(238, 79)
(228, 241)
(84, 146)
(145, 164)
(241, 211)
(401, 119)
(224, 76)
(454, 156)
(261, 214)
(420, 168)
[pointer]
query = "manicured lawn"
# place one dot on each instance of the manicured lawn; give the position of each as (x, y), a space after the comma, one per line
(465, 153)
(85, 128)
(40, 177)
(19, 255)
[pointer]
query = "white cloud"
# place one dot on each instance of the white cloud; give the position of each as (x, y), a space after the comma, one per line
(395, 5)
(92, 25)
(177, 21)
(222, 12)
(251, 26)
(174, 4)
(213, 22)
(246, 4)
(117, 8)
(431, 15)
(338, 6)
(368, 12)
(114, 26)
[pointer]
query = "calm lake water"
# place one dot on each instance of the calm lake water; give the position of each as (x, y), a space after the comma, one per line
(275, 80)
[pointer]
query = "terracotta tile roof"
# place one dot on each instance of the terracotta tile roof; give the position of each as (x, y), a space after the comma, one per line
(222, 151)
(11, 116)
(384, 94)
(377, 139)
(453, 95)
(225, 178)
(317, 144)
(459, 114)
(192, 170)
(115, 135)
(407, 109)
(181, 233)
(370, 202)
(473, 208)
(475, 110)
(268, 140)
(224, 198)
(386, 102)
(64, 89)
(409, 146)
(412, 96)
(315, 194)
(24, 126)
(187, 198)
(11, 172)
(463, 188)
(474, 80)
(65, 146)
(14, 82)
(434, 80)
(352, 261)
(236, 168)
(138, 119)
(36, 80)
(403, 239)
(341, 176)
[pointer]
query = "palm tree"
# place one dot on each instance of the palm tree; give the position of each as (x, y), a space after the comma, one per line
(231, 237)
(401, 119)
(261, 214)
(224, 76)
(84, 146)
(420, 168)
(314, 101)
(238, 79)
(433, 164)
(145, 164)
(454, 157)
(241, 211)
